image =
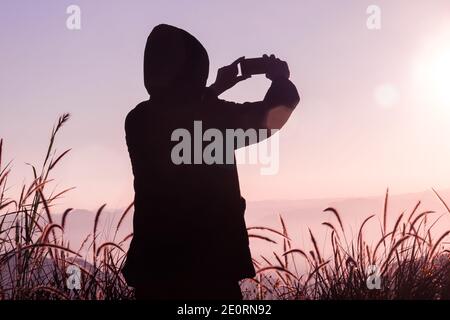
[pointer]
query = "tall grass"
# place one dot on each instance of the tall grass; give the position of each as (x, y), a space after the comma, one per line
(409, 262)
(35, 256)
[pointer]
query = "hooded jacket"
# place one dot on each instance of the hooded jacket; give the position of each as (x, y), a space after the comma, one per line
(189, 218)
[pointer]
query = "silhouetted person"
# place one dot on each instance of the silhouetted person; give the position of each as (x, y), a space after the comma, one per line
(190, 239)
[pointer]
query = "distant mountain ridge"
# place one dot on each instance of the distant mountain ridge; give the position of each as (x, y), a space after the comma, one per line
(299, 215)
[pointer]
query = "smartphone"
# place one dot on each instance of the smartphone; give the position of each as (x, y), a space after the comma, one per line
(254, 66)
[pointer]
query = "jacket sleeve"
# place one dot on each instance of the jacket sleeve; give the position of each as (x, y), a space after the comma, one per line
(271, 113)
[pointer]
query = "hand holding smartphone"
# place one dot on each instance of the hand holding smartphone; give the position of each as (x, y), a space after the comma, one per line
(270, 66)
(229, 75)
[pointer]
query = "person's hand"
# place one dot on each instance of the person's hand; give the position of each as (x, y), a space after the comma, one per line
(227, 77)
(277, 68)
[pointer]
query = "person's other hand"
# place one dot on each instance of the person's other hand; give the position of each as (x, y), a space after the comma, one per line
(277, 68)
(227, 77)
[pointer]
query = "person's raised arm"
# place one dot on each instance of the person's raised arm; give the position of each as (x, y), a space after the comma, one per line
(271, 113)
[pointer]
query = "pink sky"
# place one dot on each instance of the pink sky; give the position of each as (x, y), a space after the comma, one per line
(373, 114)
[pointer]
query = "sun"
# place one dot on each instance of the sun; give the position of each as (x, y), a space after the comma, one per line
(432, 71)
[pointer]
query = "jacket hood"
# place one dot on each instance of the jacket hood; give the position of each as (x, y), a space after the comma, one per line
(176, 65)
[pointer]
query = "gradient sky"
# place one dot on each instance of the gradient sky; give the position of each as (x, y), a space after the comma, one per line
(373, 114)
